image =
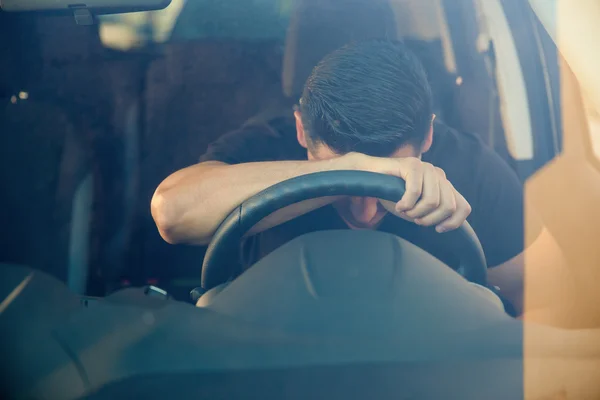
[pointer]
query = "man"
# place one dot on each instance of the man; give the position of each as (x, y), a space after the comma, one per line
(366, 106)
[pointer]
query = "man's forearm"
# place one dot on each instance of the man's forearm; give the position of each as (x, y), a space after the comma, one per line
(190, 204)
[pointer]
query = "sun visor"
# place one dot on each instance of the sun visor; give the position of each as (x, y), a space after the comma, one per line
(318, 27)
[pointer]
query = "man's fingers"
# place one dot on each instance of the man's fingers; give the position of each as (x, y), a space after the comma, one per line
(413, 176)
(430, 197)
(463, 209)
(445, 210)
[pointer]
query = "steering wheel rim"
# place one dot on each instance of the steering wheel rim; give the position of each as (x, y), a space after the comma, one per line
(219, 260)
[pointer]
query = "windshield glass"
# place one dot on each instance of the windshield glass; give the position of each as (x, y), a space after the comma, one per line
(432, 168)
(243, 20)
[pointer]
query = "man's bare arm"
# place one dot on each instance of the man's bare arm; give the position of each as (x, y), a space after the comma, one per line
(190, 204)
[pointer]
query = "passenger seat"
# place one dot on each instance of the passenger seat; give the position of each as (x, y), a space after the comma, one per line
(56, 114)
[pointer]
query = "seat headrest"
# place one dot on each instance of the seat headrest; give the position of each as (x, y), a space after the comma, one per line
(318, 27)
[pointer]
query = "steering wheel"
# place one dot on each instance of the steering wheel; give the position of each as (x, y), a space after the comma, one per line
(223, 251)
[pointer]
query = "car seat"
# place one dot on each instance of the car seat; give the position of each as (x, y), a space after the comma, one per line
(44, 171)
(318, 27)
(67, 143)
(198, 90)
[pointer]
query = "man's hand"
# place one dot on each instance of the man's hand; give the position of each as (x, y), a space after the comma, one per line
(430, 199)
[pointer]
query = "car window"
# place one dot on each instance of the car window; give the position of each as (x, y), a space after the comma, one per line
(219, 64)
(199, 19)
(248, 20)
(514, 105)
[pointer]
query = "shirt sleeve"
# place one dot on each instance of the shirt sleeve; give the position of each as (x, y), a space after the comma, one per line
(254, 143)
(498, 215)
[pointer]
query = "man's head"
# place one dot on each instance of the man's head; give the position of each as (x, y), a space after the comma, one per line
(371, 97)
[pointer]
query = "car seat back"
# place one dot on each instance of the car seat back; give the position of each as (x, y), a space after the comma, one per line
(43, 167)
(198, 90)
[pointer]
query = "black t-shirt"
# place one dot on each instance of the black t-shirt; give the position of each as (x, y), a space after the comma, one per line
(476, 171)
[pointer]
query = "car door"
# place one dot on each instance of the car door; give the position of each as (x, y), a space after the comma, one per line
(509, 83)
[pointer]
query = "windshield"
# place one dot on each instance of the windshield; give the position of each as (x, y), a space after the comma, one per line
(127, 143)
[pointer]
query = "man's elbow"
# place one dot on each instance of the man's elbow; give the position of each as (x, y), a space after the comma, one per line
(164, 217)
(171, 225)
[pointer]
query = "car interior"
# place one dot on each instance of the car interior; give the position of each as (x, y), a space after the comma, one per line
(110, 124)
(91, 126)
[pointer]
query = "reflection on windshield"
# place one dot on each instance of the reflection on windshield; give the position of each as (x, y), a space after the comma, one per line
(124, 31)
(181, 20)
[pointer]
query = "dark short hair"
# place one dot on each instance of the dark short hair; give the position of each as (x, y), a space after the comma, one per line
(370, 97)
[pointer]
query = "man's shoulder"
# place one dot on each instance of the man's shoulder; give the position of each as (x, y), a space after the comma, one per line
(257, 140)
(446, 138)
(453, 149)
(467, 161)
